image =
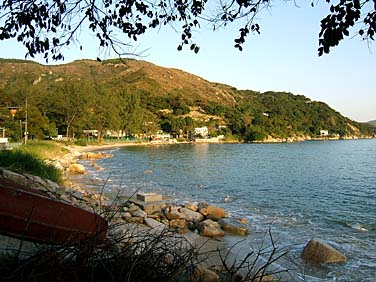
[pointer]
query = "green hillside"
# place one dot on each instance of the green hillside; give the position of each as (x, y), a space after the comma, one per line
(139, 97)
(372, 122)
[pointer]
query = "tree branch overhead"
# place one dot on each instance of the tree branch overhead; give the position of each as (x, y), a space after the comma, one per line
(48, 26)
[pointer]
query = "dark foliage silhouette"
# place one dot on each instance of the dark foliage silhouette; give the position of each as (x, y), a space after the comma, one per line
(47, 26)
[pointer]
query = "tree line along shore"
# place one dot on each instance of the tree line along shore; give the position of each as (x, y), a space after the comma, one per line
(125, 100)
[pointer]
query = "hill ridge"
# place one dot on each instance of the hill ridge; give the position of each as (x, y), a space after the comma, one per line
(136, 96)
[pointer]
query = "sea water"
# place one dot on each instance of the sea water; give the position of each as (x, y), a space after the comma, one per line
(299, 191)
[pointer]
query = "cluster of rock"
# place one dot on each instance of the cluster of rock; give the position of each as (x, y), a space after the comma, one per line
(90, 156)
(69, 161)
(204, 219)
(292, 139)
(148, 208)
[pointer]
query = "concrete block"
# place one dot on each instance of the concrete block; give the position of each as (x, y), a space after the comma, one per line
(149, 197)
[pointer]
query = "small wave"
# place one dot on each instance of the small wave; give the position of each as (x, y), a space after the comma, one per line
(359, 227)
(356, 226)
(229, 199)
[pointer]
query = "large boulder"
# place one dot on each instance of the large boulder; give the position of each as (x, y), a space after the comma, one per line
(202, 274)
(210, 228)
(317, 251)
(172, 212)
(152, 223)
(94, 156)
(178, 225)
(202, 205)
(233, 226)
(191, 206)
(203, 211)
(132, 208)
(139, 213)
(215, 213)
(76, 168)
(191, 216)
(125, 215)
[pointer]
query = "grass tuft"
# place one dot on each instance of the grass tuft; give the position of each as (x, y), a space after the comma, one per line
(25, 162)
(44, 149)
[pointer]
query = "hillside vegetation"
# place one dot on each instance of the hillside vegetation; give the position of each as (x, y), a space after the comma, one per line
(138, 97)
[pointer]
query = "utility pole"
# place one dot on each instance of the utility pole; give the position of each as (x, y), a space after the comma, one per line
(20, 130)
(25, 133)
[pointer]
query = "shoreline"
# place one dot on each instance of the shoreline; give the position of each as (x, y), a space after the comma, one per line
(106, 146)
(211, 249)
(202, 198)
(228, 246)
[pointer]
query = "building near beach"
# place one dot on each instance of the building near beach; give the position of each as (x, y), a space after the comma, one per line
(324, 132)
(202, 131)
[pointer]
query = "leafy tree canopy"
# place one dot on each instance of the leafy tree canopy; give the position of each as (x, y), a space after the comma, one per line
(47, 26)
(88, 95)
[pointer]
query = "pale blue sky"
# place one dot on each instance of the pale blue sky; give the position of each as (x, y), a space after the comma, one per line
(282, 58)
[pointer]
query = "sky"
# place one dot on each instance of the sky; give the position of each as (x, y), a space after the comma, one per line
(282, 58)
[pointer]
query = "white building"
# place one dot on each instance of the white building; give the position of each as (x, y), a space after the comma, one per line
(202, 131)
(161, 137)
(4, 143)
(324, 132)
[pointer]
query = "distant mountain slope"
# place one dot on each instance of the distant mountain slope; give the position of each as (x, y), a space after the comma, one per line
(372, 122)
(140, 97)
(156, 80)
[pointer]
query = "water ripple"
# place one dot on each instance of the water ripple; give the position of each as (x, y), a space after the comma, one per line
(313, 189)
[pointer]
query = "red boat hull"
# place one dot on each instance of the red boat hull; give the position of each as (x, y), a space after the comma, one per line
(31, 215)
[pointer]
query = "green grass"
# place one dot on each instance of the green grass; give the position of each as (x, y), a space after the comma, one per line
(81, 142)
(44, 149)
(28, 159)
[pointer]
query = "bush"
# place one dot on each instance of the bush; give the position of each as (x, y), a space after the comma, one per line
(24, 162)
(80, 142)
(136, 254)
(129, 255)
(43, 149)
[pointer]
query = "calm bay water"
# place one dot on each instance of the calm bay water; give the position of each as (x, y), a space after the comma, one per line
(324, 190)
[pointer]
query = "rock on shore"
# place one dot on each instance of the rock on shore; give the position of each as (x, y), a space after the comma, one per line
(234, 226)
(210, 228)
(69, 161)
(181, 219)
(317, 251)
(71, 192)
(76, 168)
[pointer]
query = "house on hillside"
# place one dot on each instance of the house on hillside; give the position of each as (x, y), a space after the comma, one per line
(324, 133)
(202, 131)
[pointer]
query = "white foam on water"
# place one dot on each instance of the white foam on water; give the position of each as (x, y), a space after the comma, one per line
(359, 227)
